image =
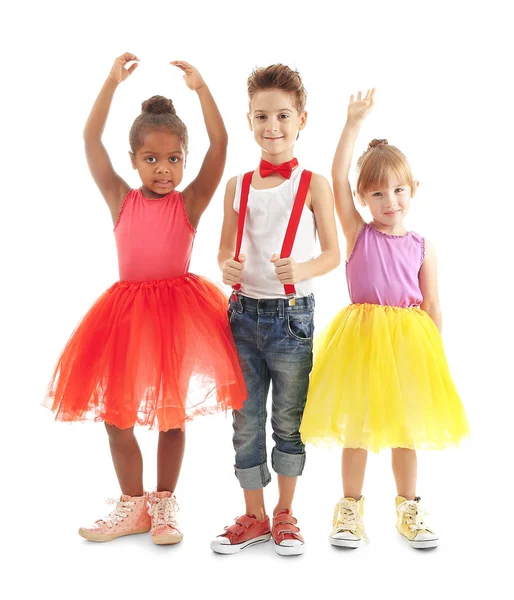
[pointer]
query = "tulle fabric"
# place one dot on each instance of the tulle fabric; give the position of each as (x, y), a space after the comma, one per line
(381, 380)
(156, 353)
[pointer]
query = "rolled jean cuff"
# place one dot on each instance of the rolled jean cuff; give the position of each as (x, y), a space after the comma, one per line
(289, 465)
(253, 478)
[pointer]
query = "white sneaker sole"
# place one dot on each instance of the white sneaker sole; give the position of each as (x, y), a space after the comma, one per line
(235, 548)
(421, 544)
(295, 550)
(344, 543)
(424, 544)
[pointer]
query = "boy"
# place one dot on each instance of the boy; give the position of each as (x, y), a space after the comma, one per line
(272, 216)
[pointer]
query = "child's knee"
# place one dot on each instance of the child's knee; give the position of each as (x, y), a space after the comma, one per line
(118, 435)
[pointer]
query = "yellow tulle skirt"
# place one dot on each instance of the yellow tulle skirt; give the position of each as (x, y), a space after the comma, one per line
(380, 380)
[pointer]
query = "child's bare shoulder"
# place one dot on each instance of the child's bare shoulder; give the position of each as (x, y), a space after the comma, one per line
(318, 179)
(320, 186)
(232, 182)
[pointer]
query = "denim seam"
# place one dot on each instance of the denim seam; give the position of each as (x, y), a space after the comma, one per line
(262, 419)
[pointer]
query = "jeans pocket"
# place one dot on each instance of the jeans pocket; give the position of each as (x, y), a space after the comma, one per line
(299, 327)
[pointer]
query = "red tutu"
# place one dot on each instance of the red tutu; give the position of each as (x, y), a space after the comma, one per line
(155, 353)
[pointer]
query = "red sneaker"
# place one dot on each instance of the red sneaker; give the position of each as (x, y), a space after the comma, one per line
(245, 532)
(286, 534)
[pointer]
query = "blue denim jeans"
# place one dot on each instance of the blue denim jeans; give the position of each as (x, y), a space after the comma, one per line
(274, 343)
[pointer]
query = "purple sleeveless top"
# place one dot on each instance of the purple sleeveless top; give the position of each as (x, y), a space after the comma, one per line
(384, 269)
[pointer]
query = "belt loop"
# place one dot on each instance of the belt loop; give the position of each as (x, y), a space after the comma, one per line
(236, 297)
(281, 310)
(240, 307)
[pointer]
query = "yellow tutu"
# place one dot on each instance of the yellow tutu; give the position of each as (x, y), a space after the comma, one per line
(381, 380)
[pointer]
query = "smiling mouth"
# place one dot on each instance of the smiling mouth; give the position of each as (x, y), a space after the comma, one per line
(274, 138)
(163, 182)
(392, 212)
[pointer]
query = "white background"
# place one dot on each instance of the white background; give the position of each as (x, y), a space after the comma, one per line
(444, 94)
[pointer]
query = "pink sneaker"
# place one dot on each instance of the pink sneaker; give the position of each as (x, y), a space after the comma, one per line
(130, 516)
(163, 509)
(286, 534)
(246, 532)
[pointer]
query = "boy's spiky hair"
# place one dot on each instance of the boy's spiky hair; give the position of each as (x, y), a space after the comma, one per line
(280, 77)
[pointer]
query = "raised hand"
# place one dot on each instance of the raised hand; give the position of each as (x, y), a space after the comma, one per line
(119, 71)
(359, 108)
(192, 77)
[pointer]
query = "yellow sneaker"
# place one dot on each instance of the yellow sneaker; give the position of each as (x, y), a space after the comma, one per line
(348, 528)
(410, 523)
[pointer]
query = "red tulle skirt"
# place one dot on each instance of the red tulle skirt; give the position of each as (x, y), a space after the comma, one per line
(156, 353)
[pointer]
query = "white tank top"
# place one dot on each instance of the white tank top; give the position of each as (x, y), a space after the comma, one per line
(267, 217)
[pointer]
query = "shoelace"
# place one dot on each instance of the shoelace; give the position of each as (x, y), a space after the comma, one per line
(119, 513)
(413, 515)
(163, 511)
(347, 517)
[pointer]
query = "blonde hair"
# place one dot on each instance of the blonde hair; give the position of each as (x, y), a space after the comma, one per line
(279, 77)
(378, 163)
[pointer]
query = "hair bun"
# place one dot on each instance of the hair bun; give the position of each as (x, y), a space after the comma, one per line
(374, 143)
(158, 105)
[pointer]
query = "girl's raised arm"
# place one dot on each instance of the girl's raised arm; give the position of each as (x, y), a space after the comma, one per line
(199, 192)
(349, 216)
(112, 187)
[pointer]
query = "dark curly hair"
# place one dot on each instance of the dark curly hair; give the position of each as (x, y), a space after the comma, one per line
(157, 113)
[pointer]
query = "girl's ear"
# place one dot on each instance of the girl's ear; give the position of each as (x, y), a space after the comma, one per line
(415, 188)
(249, 117)
(132, 159)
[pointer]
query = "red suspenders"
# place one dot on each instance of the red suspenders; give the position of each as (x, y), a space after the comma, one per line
(292, 226)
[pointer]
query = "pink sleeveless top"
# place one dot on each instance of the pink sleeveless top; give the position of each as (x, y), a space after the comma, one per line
(154, 238)
(384, 269)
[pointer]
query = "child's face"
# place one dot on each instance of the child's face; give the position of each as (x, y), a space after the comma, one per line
(159, 161)
(274, 120)
(389, 204)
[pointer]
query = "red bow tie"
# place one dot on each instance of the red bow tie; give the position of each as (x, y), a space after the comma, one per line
(285, 169)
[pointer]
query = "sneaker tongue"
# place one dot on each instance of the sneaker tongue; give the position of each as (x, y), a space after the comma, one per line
(163, 494)
(284, 511)
(125, 498)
